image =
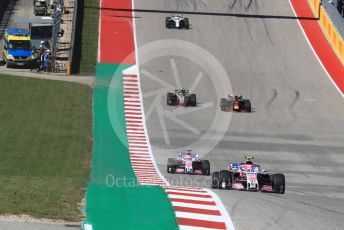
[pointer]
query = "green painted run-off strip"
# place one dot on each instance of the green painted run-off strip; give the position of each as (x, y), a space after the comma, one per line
(110, 204)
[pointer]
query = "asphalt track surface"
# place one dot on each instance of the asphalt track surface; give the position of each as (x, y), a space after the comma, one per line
(297, 126)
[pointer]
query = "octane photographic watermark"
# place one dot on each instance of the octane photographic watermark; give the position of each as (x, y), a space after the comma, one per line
(112, 181)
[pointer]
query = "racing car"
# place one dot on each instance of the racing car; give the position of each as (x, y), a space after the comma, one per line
(181, 97)
(248, 176)
(177, 21)
(235, 103)
(188, 163)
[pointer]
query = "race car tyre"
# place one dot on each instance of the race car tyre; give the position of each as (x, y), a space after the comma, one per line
(171, 165)
(215, 180)
(197, 165)
(247, 105)
(206, 172)
(205, 167)
(263, 179)
(186, 23)
(171, 99)
(225, 179)
(226, 105)
(187, 100)
(223, 104)
(278, 183)
(192, 100)
(167, 23)
(171, 169)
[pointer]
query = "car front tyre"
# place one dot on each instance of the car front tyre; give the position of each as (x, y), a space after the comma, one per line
(215, 180)
(278, 183)
(225, 179)
(193, 100)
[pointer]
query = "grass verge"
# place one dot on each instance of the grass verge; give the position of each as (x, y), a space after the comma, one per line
(89, 36)
(45, 145)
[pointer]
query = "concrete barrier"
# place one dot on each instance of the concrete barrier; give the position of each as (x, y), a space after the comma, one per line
(330, 31)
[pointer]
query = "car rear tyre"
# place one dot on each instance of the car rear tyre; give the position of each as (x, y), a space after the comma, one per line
(171, 169)
(205, 167)
(171, 99)
(247, 105)
(225, 179)
(170, 24)
(186, 23)
(167, 23)
(215, 180)
(223, 104)
(206, 172)
(171, 165)
(193, 100)
(278, 183)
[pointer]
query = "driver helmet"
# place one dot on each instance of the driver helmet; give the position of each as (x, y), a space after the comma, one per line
(248, 160)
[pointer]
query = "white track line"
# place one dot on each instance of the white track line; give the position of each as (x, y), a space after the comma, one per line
(315, 54)
(199, 216)
(198, 206)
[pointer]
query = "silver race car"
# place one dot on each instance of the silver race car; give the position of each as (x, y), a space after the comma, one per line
(181, 97)
(177, 21)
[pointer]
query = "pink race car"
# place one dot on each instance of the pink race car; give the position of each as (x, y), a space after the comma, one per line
(248, 176)
(188, 163)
